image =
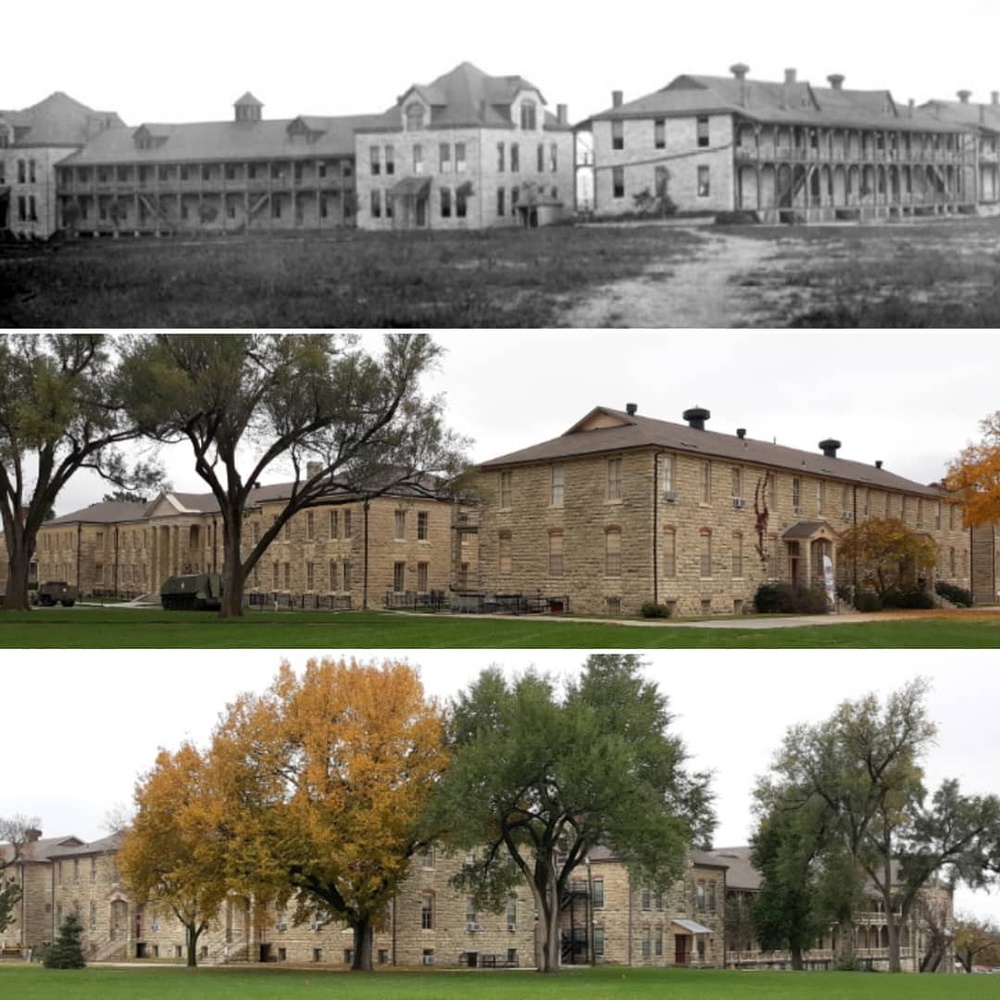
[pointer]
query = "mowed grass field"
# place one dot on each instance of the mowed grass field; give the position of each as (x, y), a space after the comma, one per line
(606, 983)
(110, 627)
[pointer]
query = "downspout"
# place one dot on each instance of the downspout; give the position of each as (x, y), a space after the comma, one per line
(116, 560)
(364, 588)
(79, 542)
(656, 530)
(631, 907)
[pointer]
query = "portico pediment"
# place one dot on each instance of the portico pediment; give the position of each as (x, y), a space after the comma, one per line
(810, 531)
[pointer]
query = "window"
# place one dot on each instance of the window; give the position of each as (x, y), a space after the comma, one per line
(703, 132)
(515, 158)
(414, 116)
(423, 574)
(501, 203)
(515, 197)
(820, 495)
(20, 172)
(951, 517)
(710, 902)
(598, 891)
(310, 576)
(32, 208)
(418, 159)
(613, 552)
(334, 523)
(646, 898)
(902, 509)
(399, 577)
(937, 515)
(286, 569)
(703, 182)
(553, 158)
(275, 575)
(797, 493)
(462, 201)
(445, 203)
(737, 554)
(920, 512)
(460, 162)
(699, 896)
(618, 182)
(541, 157)
(660, 133)
(618, 134)
(706, 553)
(658, 942)
(737, 476)
(400, 525)
(668, 473)
(500, 157)
(614, 479)
(444, 158)
(376, 161)
(422, 525)
(512, 911)
(506, 489)
(951, 561)
(647, 943)
(557, 486)
(347, 576)
(598, 941)
(529, 119)
(555, 553)
(504, 547)
(347, 524)
(670, 553)
(705, 483)
(333, 574)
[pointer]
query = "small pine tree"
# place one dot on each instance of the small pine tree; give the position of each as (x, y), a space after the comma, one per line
(66, 953)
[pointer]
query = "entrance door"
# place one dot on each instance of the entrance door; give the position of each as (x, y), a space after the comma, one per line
(472, 958)
(680, 949)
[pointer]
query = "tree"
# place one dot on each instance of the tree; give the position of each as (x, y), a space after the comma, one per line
(328, 774)
(887, 553)
(537, 782)
(346, 422)
(60, 411)
(15, 832)
(66, 952)
(173, 854)
(125, 496)
(864, 766)
(976, 937)
(975, 475)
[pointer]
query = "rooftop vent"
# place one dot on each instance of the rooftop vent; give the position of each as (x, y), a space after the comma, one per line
(562, 114)
(964, 95)
(696, 417)
(631, 409)
(836, 80)
(995, 97)
(878, 463)
(741, 432)
(739, 70)
(790, 75)
(829, 447)
(617, 98)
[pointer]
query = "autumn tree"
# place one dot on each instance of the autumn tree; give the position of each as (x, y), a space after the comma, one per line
(15, 832)
(343, 421)
(975, 475)
(173, 854)
(61, 410)
(539, 780)
(976, 941)
(327, 776)
(887, 553)
(864, 766)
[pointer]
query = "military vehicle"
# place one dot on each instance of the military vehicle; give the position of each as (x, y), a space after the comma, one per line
(193, 592)
(55, 592)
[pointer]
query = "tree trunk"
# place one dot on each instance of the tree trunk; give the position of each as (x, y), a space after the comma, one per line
(232, 565)
(796, 956)
(364, 937)
(192, 933)
(18, 565)
(845, 950)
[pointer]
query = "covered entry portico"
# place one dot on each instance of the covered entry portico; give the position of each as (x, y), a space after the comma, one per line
(686, 932)
(410, 198)
(806, 542)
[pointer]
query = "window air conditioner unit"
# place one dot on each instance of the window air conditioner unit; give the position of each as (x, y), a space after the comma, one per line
(281, 926)
(670, 496)
(848, 515)
(316, 925)
(739, 503)
(512, 927)
(473, 926)
(428, 959)
(798, 511)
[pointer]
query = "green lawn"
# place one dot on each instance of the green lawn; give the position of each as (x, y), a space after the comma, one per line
(109, 627)
(607, 983)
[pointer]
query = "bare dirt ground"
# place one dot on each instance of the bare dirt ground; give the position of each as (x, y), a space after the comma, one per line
(706, 291)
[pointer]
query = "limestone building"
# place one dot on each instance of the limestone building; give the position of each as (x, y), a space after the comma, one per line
(32, 142)
(623, 509)
(350, 551)
(783, 150)
(468, 151)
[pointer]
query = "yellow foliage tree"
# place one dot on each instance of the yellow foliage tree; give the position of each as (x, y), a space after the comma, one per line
(887, 553)
(975, 475)
(172, 855)
(327, 775)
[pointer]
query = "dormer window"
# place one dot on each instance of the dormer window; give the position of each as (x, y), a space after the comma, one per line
(529, 116)
(414, 116)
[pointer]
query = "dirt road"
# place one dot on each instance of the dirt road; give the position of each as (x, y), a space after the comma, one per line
(705, 291)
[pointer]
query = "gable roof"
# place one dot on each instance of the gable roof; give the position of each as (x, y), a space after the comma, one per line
(466, 97)
(105, 512)
(796, 102)
(608, 430)
(58, 120)
(40, 849)
(965, 113)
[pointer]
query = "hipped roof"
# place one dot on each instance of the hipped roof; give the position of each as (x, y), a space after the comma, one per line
(608, 430)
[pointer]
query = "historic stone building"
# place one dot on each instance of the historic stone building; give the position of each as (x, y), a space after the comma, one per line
(32, 142)
(623, 509)
(785, 151)
(349, 551)
(249, 173)
(468, 151)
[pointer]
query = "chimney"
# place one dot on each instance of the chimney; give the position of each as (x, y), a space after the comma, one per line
(995, 97)
(836, 80)
(964, 95)
(878, 463)
(313, 469)
(617, 98)
(829, 447)
(631, 409)
(696, 417)
(562, 114)
(31, 836)
(790, 76)
(912, 104)
(741, 432)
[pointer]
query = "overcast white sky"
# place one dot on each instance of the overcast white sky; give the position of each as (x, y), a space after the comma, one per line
(92, 722)
(912, 399)
(190, 60)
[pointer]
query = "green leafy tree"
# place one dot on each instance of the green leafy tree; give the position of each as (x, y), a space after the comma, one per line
(342, 419)
(66, 952)
(61, 411)
(538, 781)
